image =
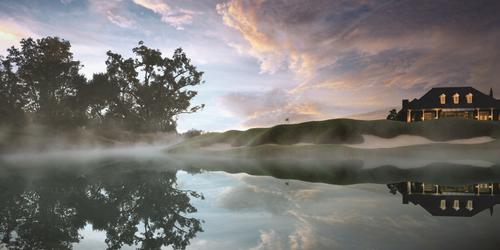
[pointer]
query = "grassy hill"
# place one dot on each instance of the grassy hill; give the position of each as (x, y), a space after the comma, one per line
(320, 151)
(346, 131)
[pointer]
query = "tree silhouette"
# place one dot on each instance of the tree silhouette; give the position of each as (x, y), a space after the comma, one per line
(150, 90)
(146, 93)
(13, 96)
(134, 206)
(47, 69)
(41, 214)
(392, 115)
(146, 209)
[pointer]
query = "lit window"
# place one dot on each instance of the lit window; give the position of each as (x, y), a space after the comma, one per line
(456, 205)
(442, 98)
(469, 98)
(455, 98)
(483, 115)
(469, 205)
(442, 205)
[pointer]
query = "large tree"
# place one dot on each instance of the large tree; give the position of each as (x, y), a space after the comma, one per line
(150, 90)
(144, 93)
(51, 76)
(13, 96)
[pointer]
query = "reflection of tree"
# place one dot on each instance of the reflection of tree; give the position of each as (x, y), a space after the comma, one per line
(40, 214)
(134, 207)
(146, 208)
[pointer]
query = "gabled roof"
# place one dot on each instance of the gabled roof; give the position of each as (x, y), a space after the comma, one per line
(432, 99)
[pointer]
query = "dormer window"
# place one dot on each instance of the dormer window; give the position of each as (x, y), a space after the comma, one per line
(469, 98)
(456, 98)
(442, 99)
(442, 205)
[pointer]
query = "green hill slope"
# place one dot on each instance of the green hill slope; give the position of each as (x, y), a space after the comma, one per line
(346, 131)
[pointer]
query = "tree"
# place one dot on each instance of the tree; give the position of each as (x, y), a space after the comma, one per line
(145, 93)
(152, 89)
(52, 79)
(192, 133)
(13, 96)
(392, 114)
(100, 97)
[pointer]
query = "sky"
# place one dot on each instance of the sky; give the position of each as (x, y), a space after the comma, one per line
(266, 61)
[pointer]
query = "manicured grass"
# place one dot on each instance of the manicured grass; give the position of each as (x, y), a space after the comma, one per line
(347, 131)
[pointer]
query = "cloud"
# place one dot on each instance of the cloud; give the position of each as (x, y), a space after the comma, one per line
(269, 108)
(243, 15)
(371, 52)
(373, 115)
(119, 20)
(176, 17)
(11, 32)
(66, 2)
(115, 11)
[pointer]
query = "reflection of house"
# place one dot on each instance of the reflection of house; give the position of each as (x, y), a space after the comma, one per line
(464, 200)
(462, 102)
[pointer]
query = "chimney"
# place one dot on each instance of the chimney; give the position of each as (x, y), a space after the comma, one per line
(491, 92)
(405, 104)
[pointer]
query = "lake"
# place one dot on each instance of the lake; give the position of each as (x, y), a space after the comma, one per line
(141, 198)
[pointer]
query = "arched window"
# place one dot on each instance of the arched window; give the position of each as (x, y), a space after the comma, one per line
(442, 99)
(469, 98)
(456, 98)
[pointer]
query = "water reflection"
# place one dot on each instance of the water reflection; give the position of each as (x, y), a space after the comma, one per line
(132, 205)
(446, 200)
(147, 203)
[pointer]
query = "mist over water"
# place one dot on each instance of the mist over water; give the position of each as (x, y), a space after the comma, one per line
(230, 201)
(375, 160)
(83, 154)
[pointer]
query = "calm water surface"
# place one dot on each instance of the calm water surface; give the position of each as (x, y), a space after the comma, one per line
(109, 203)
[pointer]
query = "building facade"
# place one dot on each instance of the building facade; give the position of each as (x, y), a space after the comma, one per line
(441, 200)
(447, 102)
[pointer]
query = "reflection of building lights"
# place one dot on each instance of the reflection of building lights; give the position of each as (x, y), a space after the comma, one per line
(456, 205)
(442, 200)
(469, 205)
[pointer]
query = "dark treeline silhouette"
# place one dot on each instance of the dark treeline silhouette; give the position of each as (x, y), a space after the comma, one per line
(132, 204)
(393, 113)
(41, 83)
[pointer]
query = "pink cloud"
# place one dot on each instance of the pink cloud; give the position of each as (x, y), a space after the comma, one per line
(351, 56)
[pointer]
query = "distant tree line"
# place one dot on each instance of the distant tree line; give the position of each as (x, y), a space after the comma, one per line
(393, 115)
(40, 82)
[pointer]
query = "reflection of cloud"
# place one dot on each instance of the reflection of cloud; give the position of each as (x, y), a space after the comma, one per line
(321, 216)
(348, 51)
(248, 198)
(269, 240)
(302, 238)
